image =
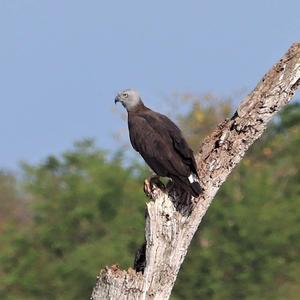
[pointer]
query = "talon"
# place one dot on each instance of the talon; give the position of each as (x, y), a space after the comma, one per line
(155, 180)
(147, 187)
(149, 184)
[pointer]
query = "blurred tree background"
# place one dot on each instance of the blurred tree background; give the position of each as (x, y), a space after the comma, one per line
(64, 219)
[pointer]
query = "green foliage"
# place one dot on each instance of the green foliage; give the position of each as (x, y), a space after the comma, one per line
(12, 204)
(87, 212)
(81, 211)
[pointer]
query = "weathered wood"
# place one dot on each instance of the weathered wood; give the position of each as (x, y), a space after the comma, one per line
(172, 222)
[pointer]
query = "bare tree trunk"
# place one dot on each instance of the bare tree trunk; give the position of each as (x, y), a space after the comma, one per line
(171, 222)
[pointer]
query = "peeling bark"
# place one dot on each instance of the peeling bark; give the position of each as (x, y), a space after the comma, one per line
(172, 222)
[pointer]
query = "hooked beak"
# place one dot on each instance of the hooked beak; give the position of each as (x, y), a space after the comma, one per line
(117, 99)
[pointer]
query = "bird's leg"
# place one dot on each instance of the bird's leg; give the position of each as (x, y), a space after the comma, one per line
(170, 186)
(149, 184)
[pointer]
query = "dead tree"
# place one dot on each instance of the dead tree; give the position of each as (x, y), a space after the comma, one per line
(170, 223)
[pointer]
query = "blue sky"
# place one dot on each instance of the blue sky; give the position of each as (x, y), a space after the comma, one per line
(63, 61)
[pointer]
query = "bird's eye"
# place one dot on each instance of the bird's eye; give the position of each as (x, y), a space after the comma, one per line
(125, 95)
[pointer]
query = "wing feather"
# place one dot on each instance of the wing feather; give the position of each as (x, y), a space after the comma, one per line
(162, 124)
(161, 144)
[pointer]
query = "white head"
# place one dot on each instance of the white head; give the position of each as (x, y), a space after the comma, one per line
(129, 99)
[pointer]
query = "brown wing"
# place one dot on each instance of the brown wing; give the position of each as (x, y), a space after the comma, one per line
(162, 124)
(155, 145)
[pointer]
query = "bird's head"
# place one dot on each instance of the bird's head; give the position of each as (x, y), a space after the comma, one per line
(129, 99)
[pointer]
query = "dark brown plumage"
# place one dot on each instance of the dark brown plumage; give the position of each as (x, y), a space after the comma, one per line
(160, 143)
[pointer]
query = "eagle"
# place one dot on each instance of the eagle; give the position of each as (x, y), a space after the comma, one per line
(161, 143)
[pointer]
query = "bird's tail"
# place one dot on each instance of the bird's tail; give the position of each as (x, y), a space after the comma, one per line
(196, 188)
(194, 185)
(190, 185)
